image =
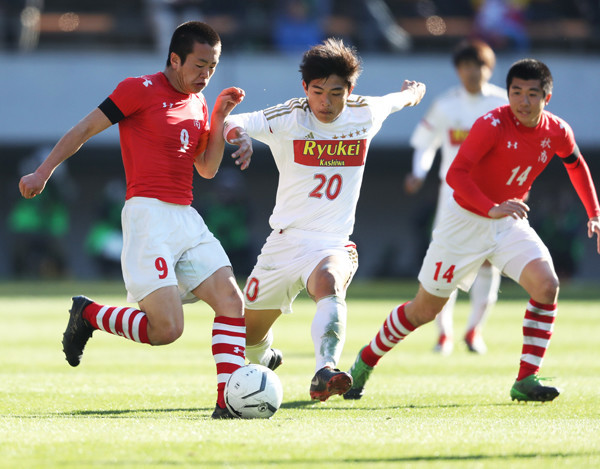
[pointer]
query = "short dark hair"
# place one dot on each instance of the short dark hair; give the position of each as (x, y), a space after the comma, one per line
(474, 50)
(186, 34)
(531, 69)
(332, 57)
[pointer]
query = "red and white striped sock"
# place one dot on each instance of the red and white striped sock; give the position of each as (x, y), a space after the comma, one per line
(228, 349)
(395, 328)
(537, 330)
(130, 323)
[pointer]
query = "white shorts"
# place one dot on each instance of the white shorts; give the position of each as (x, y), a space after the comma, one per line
(165, 245)
(285, 263)
(462, 241)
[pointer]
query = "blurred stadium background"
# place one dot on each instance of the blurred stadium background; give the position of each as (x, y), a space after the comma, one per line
(61, 58)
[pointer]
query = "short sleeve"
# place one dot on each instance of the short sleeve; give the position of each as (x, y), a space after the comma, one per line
(127, 96)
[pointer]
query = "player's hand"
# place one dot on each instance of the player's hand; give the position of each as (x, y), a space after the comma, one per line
(514, 208)
(412, 184)
(31, 185)
(228, 99)
(417, 88)
(243, 154)
(594, 227)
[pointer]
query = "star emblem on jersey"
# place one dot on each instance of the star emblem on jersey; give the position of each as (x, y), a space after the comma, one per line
(351, 134)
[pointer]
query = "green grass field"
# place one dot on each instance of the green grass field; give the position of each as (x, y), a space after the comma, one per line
(131, 405)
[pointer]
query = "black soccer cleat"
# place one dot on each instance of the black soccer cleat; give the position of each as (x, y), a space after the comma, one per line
(329, 381)
(222, 413)
(276, 359)
(78, 331)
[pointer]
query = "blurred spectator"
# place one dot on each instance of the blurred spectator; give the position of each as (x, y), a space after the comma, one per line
(166, 15)
(20, 23)
(104, 242)
(298, 24)
(39, 225)
(501, 23)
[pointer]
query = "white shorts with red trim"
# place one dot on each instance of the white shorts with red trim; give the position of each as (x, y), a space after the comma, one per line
(285, 263)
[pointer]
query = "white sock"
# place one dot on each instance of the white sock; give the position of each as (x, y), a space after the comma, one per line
(484, 294)
(261, 352)
(328, 331)
(444, 320)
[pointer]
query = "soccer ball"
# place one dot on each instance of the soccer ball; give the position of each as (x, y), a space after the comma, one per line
(253, 392)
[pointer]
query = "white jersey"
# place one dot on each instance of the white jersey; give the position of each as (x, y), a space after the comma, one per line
(320, 165)
(447, 123)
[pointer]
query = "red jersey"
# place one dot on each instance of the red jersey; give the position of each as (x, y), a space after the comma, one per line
(500, 158)
(161, 132)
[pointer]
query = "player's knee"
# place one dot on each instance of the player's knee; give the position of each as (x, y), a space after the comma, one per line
(166, 333)
(548, 289)
(327, 283)
(230, 304)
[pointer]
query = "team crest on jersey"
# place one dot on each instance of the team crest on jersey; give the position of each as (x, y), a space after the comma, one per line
(330, 152)
(458, 136)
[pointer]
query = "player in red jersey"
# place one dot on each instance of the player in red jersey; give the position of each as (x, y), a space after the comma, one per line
(169, 257)
(505, 151)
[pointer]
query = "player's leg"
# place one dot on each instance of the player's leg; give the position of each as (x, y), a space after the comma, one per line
(259, 337)
(158, 321)
(453, 258)
(540, 281)
(327, 285)
(221, 293)
(269, 292)
(483, 294)
(150, 236)
(526, 260)
(444, 323)
(402, 320)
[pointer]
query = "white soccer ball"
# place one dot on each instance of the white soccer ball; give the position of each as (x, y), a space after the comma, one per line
(253, 392)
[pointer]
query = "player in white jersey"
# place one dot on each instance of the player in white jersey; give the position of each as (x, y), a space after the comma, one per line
(320, 145)
(446, 125)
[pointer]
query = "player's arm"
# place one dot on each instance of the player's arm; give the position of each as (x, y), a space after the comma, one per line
(207, 162)
(95, 122)
(410, 94)
(422, 162)
(235, 133)
(579, 174)
(478, 143)
(426, 139)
